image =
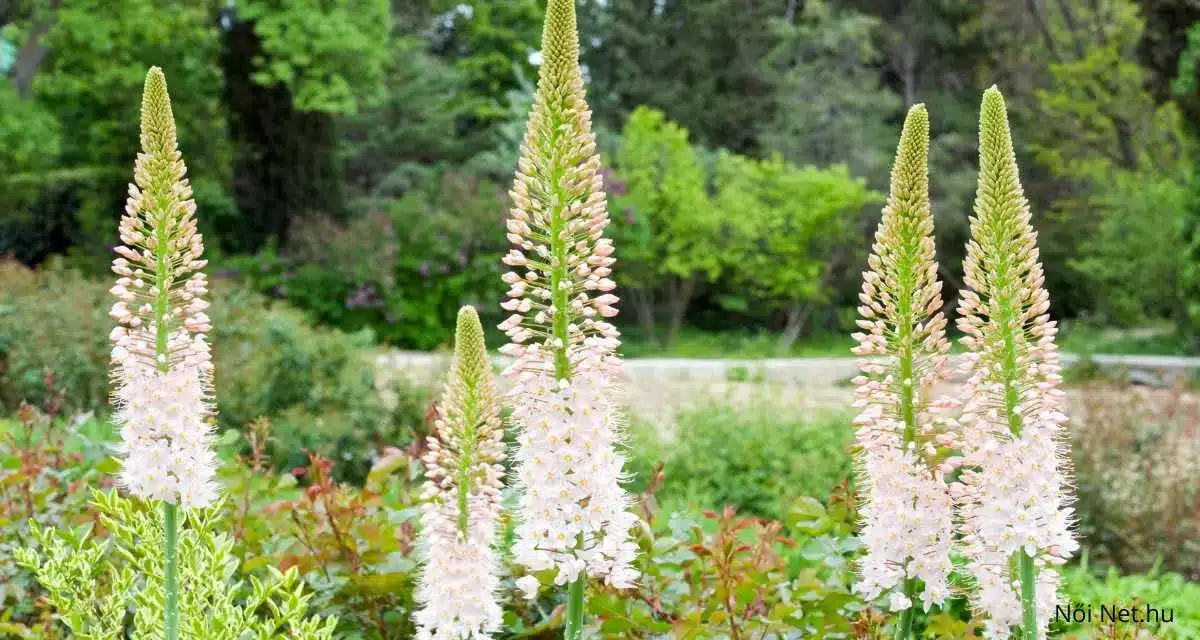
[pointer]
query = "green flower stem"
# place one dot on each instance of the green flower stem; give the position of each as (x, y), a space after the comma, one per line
(171, 574)
(574, 630)
(562, 371)
(1028, 596)
(905, 630)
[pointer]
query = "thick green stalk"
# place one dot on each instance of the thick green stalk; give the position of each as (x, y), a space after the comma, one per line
(562, 371)
(171, 574)
(574, 630)
(561, 50)
(905, 629)
(1028, 596)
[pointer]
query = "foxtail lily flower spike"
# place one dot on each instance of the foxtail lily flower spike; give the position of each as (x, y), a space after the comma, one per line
(573, 511)
(901, 435)
(457, 590)
(161, 367)
(1014, 496)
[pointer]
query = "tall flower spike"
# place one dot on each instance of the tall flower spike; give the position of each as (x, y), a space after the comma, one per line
(160, 360)
(1013, 497)
(457, 590)
(908, 516)
(574, 515)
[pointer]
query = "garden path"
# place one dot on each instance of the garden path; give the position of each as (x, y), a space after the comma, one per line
(657, 388)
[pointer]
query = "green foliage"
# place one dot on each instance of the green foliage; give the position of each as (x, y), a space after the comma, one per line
(46, 462)
(92, 583)
(30, 137)
(671, 237)
(339, 109)
(490, 43)
(699, 61)
(80, 117)
(1159, 590)
(667, 227)
(318, 385)
(100, 57)
(352, 546)
(386, 148)
(355, 276)
(331, 56)
(1155, 338)
(757, 458)
(53, 320)
(838, 111)
(791, 222)
(722, 575)
(1136, 269)
(1096, 114)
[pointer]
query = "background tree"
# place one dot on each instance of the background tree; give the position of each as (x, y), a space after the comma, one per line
(491, 43)
(290, 68)
(699, 61)
(794, 224)
(669, 233)
(831, 104)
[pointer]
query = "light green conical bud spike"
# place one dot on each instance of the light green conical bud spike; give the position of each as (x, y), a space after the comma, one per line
(158, 120)
(560, 46)
(905, 242)
(470, 422)
(559, 164)
(1002, 257)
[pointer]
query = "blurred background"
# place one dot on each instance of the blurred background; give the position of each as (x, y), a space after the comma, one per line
(351, 161)
(353, 157)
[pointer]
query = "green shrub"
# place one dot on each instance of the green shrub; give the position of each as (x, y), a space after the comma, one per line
(47, 466)
(53, 319)
(402, 269)
(353, 547)
(755, 458)
(317, 385)
(95, 580)
(1159, 590)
